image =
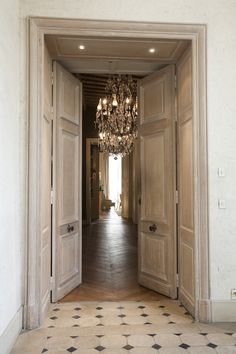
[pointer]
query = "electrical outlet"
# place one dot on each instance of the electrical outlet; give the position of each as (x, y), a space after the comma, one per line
(233, 294)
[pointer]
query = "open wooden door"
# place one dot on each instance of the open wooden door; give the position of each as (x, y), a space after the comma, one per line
(46, 135)
(186, 238)
(157, 219)
(67, 130)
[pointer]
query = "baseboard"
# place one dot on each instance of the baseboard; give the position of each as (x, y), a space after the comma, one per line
(9, 336)
(223, 310)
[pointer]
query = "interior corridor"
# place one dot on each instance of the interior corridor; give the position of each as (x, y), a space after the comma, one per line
(110, 262)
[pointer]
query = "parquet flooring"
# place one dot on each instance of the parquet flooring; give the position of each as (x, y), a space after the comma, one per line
(110, 263)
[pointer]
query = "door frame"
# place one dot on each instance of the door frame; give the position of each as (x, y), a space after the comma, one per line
(38, 27)
(89, 142)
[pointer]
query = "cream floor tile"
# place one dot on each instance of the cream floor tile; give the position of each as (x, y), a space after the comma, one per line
(111, 320)
(86, 342)
(194, 339)
(226, 350)
(201, 350)
(221, 339)
(140, 340)
(114, 351)
(143, 350)
(167, 340)
(59, 343)
(135, 320)
(115, 341)
(173, 351)
(158, 319)
(86, 321)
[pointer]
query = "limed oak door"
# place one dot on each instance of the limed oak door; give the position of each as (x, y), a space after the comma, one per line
(157, 217)
(67, 159)
(186, 237)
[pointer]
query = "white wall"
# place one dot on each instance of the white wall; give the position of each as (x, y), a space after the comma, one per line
(219, 15)
(11, 178)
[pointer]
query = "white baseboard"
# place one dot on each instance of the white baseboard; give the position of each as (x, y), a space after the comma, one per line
(223, 310)
(9, 336)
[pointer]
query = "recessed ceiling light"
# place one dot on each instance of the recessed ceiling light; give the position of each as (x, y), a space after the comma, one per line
(82, 47)
(152, 50)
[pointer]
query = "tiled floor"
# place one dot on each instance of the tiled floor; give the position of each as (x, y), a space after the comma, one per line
(142, 327)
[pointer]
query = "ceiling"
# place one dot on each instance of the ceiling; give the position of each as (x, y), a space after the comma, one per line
(102, 57)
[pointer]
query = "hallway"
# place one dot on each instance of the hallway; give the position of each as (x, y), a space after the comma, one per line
(110, 262)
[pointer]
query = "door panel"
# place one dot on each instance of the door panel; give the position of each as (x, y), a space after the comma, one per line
(157, 221)
(46, 134)
(185, 183)
(67, 183)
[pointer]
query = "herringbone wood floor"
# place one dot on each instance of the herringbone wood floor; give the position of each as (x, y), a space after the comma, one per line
(110, 263)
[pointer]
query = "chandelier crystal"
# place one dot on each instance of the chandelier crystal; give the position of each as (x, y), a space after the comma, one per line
(116, 117)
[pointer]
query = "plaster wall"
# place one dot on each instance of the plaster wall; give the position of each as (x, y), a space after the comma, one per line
(12, 187)
(219, 16)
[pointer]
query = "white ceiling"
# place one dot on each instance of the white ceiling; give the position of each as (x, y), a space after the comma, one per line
(106, 56)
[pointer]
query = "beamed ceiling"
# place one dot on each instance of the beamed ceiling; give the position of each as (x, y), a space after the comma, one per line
(101, 58)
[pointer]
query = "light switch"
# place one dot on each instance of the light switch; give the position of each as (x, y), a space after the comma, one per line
(221, 172)
(221, 204)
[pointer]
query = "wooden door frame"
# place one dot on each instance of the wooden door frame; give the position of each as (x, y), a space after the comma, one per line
(37, 29)
(89, 142)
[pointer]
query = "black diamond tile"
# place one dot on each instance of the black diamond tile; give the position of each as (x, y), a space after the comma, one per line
(76, 317)
(44, 350)
(99, 308)
(156, 346)
(212, 345)
(99, 316)
(56, 309)
(166, 314)
(147, 323)
(151, 334)
(120, 308)
(77, 308)
(144, 315)
(53, 318)
(184, 346)
(141, 307)
(178, 334)
(203, 333)
(100, 348)
(122, 316)
(75, 325)
(71, 349)
(74, 337)
(128, 347)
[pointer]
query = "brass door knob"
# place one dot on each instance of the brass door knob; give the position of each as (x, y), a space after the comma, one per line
(153, 227)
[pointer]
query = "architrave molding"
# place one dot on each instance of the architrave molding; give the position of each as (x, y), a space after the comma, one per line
(38, 28)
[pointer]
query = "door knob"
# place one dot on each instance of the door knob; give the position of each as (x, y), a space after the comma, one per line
(70, 228)
(152, 227)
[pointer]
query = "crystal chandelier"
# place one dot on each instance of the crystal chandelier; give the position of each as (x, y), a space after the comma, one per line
(116, 117)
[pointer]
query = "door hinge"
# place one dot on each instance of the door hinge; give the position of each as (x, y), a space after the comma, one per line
(52, 78)
(175, 82)
(51, 283)
(177, 280)
(51, 196)
(177, 197)
(52, 112)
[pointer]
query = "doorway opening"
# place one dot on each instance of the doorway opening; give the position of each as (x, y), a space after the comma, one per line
(195, 34)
